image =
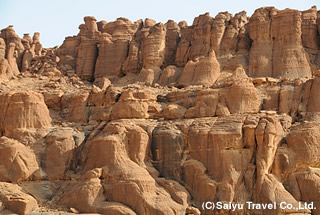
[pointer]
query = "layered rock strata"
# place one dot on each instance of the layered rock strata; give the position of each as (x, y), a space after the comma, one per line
(150, 118)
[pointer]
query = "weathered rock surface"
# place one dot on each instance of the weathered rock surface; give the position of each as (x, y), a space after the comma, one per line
(22, 113)
(150, 118)
(18, 161)
(202, 71)
(60, 151)
(16, 200)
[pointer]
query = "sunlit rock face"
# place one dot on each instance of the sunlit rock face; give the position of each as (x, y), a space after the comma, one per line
(159, 118)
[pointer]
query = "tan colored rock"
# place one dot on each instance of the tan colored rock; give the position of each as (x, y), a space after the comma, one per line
(172, 38)
(112, 54)
(101, 25)
(313, 104)
(78, 110)
(260, 56)
(26, 44)
(231, 35)
(308, 181)
(289, 58)
(273, 191)
(53, 100)
(271, 102)
(10, 36)
(110, 153)
(309, 28)
(177, 192)
(218, 29)
(13, 55)
(122, 28)
(68, 51)
(205, 104)
(37, 47)
(203, 71)
(182, 54)
(28, 38)
(153, 47)
(100, 104)
(167, 144)
(102, 83)
(2, 49)
(16, 200)
(222, 109)
(36, 37)
(268, 135)
(149, 76)
(202, 187)
(277, 51)
(2, 207)
(242, 96)
(18, 162)
(169, 118)
(132, 62)
(138, 143)
(6, 71)
(174, 111)
(133, 105)
(86, 59)
(23, 111)
(80, 52)
(90, 23)
(10, 56)
(60, 150)
(169, 75)
(87, 197)
(26, 61)
(212, 144)
(302, 140)
(200, 43)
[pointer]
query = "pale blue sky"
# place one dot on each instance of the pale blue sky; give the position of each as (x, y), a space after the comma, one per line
(57, 19)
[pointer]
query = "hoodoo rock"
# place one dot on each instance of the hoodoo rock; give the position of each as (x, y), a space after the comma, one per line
(202, 71)
(151, 118)
(23, 112)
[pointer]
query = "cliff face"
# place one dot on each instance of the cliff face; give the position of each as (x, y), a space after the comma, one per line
(270, 43)
(152, 118)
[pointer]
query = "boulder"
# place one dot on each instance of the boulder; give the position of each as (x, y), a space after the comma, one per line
(18, 162)
(16, 200)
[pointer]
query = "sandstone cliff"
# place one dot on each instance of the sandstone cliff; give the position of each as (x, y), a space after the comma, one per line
(151, 118)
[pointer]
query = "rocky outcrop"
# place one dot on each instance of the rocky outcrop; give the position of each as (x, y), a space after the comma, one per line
(258, 43)
(114, 48)
(23, 112)
(277, 48)
(86, 59)
(202, 71)
(16, 200)
(137, 105)
(2, 49)
(60, 152)
(107, 151)
(153, 47)
(150, 118)
(289, 58)
(5, 70)
(18, 162)
(260, 56)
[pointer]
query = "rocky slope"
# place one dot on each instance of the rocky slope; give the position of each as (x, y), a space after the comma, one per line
(152, 118)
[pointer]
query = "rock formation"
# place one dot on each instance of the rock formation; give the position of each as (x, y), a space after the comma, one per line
(150, 118)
